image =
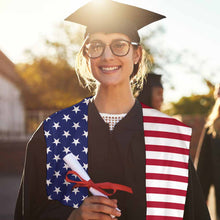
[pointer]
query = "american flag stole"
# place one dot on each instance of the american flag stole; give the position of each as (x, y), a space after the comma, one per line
(167, 153)
(167, 143)
(66, 131)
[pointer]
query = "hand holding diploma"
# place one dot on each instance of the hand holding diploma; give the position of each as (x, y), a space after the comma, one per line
(99, 204)
(78, 170)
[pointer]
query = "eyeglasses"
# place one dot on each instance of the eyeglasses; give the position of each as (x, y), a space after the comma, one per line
(95, 49)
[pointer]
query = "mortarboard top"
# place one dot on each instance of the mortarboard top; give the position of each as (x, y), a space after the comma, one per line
(113, 17)
(153, 80)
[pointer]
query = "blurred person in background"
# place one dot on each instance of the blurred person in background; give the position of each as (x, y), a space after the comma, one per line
(152, 92)
(208, 153)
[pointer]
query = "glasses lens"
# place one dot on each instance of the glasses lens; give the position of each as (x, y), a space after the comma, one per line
(120, 47)
(95, 49)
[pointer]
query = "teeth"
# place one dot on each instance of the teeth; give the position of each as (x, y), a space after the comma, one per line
(109, 68)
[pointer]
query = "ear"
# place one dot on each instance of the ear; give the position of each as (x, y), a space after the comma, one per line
(137, 55)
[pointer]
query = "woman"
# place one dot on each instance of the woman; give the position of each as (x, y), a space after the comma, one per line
(113, 136)
(152, 92)
(209, 153)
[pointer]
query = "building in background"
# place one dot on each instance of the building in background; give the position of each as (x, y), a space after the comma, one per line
(12, 109)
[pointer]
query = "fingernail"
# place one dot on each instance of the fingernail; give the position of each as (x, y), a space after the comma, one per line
(118, 213)
(118, 209)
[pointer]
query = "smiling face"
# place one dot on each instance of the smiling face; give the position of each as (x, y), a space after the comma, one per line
(109, 69)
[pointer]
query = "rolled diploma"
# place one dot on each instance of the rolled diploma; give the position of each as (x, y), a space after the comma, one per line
(76, 166)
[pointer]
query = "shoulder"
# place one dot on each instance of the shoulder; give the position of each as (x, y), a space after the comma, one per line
(155, 116)
(206, 135)
(37, 141)
(77, 110)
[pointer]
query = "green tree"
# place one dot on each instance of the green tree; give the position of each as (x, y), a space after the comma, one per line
(51, 78)
(194, 104)
(51, 85)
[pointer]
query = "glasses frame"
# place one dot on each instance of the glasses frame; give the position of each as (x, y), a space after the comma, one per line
(129, 43)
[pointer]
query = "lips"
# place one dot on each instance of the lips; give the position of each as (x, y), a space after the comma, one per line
(109, 68)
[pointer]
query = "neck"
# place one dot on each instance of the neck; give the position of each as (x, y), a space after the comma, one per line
(114, 100)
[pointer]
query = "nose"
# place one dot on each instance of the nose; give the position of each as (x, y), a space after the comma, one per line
(107, 54)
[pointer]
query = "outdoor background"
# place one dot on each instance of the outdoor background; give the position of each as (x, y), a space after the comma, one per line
(37, 76)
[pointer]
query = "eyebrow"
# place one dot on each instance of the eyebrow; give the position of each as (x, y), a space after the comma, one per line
(98, 40)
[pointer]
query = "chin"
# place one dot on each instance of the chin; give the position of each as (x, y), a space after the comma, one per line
(110, 81)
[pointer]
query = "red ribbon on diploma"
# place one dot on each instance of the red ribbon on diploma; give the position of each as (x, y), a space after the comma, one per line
(98, 186)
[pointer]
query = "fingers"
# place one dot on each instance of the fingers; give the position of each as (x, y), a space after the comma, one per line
(99, 204)
(96, 216)
(100, 208)
(102, 200)
(97, 207)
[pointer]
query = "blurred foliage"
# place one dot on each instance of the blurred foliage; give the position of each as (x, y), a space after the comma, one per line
(194, 104)
(151, 48)
(51, 79)
(51, 85)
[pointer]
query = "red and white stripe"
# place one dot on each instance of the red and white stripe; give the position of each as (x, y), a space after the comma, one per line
(167, 143)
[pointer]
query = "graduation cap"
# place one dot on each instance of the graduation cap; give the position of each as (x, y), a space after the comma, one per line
(113, 17)
(153, 80)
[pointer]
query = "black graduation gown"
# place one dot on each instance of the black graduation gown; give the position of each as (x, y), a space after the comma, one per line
(117, 156)
(208, 168)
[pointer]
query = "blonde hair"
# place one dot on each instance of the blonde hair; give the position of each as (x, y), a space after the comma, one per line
(87, 80)
(217, 91)
(215, 113)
